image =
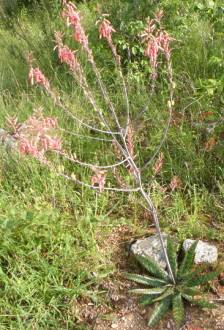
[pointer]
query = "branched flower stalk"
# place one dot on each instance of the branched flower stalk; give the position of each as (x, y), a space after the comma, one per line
(117, 130)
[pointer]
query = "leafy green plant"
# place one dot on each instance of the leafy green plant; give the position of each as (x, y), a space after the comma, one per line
(166, 294)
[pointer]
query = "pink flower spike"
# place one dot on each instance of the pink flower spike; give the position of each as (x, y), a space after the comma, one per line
(152, 51)
(99, 179)
(71, 14)
(67, 56)
(37, 77)
(164, 40)
(80, 36)
(106, 29)
(37, 135)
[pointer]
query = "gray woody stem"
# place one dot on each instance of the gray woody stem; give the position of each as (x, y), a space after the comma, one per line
(153, 212)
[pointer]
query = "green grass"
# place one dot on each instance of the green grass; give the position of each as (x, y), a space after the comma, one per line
(52, 232)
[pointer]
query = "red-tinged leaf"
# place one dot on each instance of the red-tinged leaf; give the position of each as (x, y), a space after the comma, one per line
(206, 114)
(210, 144)
(158, 164)
(175, 183)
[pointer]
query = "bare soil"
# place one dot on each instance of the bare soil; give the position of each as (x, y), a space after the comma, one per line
(121, 311)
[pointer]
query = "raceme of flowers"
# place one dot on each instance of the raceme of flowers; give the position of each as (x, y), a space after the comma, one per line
(65, 54)
(73, 19)
(36, 136)
(37, 77)
(106, 30)
(157, 40)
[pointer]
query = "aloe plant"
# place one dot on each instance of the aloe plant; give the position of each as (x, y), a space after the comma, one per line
(160, 289)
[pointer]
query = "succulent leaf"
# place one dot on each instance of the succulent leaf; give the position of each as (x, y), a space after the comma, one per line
(152, 267)
(160, 310)
(178, 309)
(154, 291)
(202, 279)
(168, 292)
(143, 279)
(188, 260)
(172, 256)
(147, 299)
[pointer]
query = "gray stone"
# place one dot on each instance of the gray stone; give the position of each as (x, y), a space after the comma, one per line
(151, 247)
(6, 140)
(204, 252)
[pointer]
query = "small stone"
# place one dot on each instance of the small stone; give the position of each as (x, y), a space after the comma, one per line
(204, 252)
(6, 140)
(151, 247)
(114, 326)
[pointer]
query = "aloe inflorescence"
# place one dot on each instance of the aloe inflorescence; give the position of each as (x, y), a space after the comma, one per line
(164, 292)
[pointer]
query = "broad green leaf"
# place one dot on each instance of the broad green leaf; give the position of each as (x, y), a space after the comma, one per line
(190, 291)
(188, 260)
(199, 302)
(169, 291)
(147, 299)
(172, 256)
(142, 279)
(188, 276)
(160, 310)
(152, 267)
(202, 279)
(154, 291)
(187, 297)
(178, 309)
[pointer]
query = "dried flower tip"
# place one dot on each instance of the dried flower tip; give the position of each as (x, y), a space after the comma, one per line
(175, 183)
(149, 29)
(58, 39)
(130, 141)
(30, 58)
(158, 164)
(158, 15)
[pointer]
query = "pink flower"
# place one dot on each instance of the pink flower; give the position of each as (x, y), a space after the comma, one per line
(73, 19)
(164, 40)
(37, 77)
(50, 122)
(37, 135)
(157, 41)
(106, 29)
(99, 179)
(48, 143)
(67, 56)
(71, 14)
(80, 36)
(152, 51)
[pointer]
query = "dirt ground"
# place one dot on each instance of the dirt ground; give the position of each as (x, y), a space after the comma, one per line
(121, 311)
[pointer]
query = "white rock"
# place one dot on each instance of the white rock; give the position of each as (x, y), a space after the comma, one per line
(204, 252)
(151, 247)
